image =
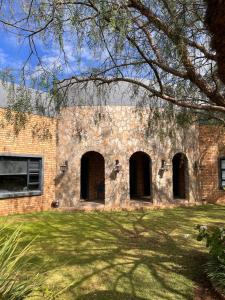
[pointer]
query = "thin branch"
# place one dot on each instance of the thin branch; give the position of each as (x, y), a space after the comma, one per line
(153, 19)
(179, 102)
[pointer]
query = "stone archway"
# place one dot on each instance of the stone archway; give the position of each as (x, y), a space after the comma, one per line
(92, 177)
(180, 176)
(140, 176)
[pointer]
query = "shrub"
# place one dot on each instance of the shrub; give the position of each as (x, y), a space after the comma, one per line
(216, 273)
(14, 285)
(215, 242)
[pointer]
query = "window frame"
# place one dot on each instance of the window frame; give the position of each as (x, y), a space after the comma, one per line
(221, 187)
(30, 193)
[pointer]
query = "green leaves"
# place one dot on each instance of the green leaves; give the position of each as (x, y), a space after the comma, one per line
(216, 273)
(215, 241)
(162, 45)
(14, 285)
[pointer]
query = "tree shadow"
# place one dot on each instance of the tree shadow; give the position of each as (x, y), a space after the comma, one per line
(144, 253)
(107, 295)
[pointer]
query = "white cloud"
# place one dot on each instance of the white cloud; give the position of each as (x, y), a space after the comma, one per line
(71, 59)
(3, 58)
(72, 52)
(7, 61)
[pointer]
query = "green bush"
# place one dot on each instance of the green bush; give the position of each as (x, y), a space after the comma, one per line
(14, 284)
(215, 242)
(216, 273)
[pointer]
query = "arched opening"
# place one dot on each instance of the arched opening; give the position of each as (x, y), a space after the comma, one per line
(93, 177)
(140, 176)
(180, 176)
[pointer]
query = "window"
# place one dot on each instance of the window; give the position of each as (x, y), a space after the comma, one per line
(222, 172)
(20, 176)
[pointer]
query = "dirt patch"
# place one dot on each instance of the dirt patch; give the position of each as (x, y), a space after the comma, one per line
(205, 291)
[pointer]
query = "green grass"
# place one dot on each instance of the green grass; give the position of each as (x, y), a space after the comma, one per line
(118, 255)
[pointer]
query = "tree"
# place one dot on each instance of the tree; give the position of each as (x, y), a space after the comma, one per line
(215, 21)
(159, 46)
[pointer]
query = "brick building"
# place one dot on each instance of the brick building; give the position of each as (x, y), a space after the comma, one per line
(108, 156)
(27, 165)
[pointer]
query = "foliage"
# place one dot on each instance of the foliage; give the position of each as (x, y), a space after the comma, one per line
(216, 273)
(14, 284)
(159, 47)
(215, 241)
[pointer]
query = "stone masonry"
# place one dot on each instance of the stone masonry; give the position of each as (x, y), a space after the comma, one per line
(117, 132)
(91, 140)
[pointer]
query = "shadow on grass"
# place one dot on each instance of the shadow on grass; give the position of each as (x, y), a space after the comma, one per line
(129, 255)
(108, 295)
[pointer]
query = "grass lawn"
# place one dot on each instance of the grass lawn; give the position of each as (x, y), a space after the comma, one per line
(119, 255)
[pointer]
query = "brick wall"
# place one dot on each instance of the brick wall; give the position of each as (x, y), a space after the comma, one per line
(38, 137)
(118, 135)
(212, 147)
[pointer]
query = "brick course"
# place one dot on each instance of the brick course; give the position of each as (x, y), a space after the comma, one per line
(38, 137)
(116, 133)
(211, 147)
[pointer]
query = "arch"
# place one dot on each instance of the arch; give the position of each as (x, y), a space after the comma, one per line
(140, 176)
(180, 176)
(92, 177)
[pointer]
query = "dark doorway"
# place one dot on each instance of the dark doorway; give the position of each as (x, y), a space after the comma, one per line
(93, 177)
(180, 176)
(140, 176)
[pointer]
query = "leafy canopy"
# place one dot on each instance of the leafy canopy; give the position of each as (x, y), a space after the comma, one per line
(161, 47)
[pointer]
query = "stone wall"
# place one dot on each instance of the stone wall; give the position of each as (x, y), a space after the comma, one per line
(38, 138)
(116, 132)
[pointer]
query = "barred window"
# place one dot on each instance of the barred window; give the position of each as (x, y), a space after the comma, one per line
(20, 176)
(222, 172)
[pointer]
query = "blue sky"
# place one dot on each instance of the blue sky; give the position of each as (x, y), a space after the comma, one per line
(14, 52)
